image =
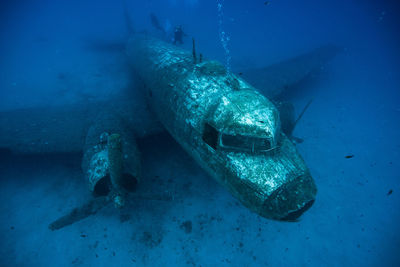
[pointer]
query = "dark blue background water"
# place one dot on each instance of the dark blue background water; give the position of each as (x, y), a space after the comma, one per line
(356, 110)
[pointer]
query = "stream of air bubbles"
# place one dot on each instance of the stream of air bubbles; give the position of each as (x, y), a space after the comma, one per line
(223, 36)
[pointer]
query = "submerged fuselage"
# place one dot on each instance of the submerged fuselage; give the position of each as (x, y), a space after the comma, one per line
(227, 126)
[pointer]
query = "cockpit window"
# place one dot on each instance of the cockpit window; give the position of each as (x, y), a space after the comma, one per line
(245, 143)
(236, 141)
(262, 144)
(210, 136)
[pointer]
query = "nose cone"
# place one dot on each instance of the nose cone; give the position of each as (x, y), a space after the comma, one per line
(276, 186)
(291, 200)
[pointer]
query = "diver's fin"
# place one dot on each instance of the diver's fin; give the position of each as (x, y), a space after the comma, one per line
(273, 80)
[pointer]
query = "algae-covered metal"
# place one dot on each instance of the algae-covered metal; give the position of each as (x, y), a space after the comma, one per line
(111, 163)
(227, 126)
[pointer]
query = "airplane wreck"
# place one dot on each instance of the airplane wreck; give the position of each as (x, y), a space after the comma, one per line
(233, 131)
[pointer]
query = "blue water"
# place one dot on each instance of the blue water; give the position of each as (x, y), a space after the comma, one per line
(54, 53)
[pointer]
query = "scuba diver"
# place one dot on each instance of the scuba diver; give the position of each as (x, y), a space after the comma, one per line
(179, 34)
(178, 31)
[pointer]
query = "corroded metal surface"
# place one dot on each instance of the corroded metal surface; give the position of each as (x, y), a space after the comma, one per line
(111, 162)
(116, 168)
(230, 129)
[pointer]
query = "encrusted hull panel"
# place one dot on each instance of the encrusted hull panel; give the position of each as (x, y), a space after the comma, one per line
(184, 96)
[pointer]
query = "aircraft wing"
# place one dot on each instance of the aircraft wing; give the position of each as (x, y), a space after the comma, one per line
(273, 80)
(64, 129)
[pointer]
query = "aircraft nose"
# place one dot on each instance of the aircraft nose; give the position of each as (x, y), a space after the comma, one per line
(291, 200)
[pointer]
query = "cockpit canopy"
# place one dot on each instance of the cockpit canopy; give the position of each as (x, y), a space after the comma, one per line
(243, 121)
(236, 142)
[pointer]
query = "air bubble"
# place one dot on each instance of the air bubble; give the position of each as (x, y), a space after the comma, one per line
(223, 36)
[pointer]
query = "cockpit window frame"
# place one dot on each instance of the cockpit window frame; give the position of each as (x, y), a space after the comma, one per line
(211, 136)
(251, 139)
(223, 144)
(214, 139)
